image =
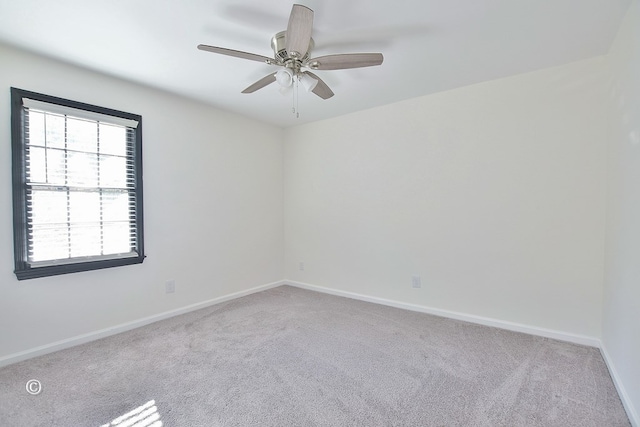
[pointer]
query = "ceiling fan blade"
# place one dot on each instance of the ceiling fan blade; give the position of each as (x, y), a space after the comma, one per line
(266, 80)
(343, 61)
(299, 30)
(235, 53)
(321, 89)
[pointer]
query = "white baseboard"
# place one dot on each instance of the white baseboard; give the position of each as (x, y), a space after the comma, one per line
(516, 327)
(102, 333)
(622, 392)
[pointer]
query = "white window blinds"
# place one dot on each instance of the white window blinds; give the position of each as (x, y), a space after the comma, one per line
(80, 185)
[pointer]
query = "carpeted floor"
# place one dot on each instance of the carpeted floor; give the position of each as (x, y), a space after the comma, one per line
(291, 357)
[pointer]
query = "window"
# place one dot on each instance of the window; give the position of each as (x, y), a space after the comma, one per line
(77, 186)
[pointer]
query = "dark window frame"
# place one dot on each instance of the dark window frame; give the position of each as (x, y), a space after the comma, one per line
(23, 269)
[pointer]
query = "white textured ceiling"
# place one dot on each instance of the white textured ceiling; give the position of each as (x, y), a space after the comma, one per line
(428, 45)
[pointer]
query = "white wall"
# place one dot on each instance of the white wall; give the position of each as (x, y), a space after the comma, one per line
(492, 193)
(212, 204)
(621, 326)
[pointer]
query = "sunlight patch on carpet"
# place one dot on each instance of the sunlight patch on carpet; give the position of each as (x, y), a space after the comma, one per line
(143, 416)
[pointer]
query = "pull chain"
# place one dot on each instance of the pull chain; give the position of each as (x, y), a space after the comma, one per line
(294, 108)
(293, 95)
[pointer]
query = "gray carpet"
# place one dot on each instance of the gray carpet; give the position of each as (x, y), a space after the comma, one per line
(291, 357)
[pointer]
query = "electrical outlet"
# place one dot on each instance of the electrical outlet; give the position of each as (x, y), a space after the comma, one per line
(301, 266)
(170, 286)
(416, 282)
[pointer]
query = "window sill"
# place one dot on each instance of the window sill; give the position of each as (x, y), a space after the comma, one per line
(54, 270)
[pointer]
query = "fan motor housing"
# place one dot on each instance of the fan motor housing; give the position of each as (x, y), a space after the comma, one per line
(281, 55)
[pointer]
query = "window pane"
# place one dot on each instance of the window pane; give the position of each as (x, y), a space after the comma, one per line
(115, 206)
(49, 242)
(36, 128)
(36, 165)
(82, 135)
(55, 167)
(113, 140)
(116, 238)
(48, 207)
(113, 171)
(55, 130)
(82, 169)
(85, 240)
(84, 207)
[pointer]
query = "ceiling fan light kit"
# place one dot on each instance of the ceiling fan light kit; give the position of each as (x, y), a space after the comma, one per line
(284, 77)
(292, 50)
(308, 82)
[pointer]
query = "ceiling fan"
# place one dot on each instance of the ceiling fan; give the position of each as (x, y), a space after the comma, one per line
(292, 51)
